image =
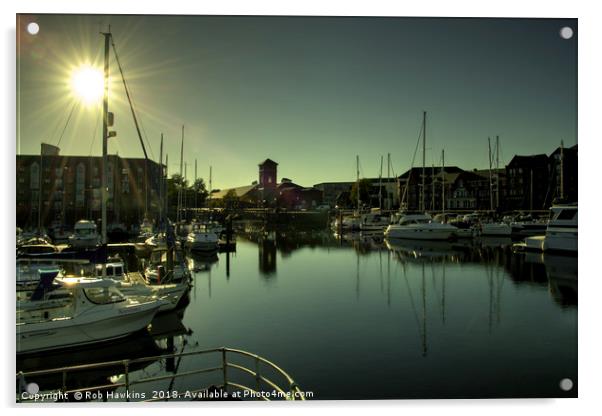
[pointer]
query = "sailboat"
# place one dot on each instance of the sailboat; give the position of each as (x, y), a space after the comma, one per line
(494, 228)
(420, 226)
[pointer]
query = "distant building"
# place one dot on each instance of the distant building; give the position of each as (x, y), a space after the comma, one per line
(331, 191)
(70, 189)
(563, 175)
(268, 192)
(527, 183)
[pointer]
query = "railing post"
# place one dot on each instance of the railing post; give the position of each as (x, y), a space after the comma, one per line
(127, 380)
(225, 368)
(22, 386)
(257, 376)
(64, 385)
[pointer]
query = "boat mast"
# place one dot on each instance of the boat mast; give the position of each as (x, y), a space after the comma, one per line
(497, 172)
(422, 206)
(105, 138)
(179, 206)
(40, 173)
(195, 188)
(161, 180)
(164, 180)
(380, 185)
(561, 170)
(443, 180)
(388, 180)
(210, 180)
(433, 187)
(357, 180)
(490, 179)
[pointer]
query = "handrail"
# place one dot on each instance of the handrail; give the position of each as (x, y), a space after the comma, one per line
(290, 392)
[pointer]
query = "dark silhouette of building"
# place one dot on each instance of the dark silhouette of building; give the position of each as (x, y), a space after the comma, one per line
(563, 175)
(268, 170)
(527, 182)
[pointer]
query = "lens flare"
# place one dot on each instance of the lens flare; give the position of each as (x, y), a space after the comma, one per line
(88, 84)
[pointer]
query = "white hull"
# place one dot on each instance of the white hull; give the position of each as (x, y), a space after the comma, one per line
(501, 229)
(565, 241)
(170, 293)
(418, 233)
(84, 329)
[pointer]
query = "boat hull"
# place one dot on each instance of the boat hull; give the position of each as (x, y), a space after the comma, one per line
(411, 233)
(82, 330)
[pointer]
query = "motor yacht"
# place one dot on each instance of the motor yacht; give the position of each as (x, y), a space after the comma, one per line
(561, 232)
(66, 312)
(201, 239)
(134, 284)
(84, 235)
(420, 227)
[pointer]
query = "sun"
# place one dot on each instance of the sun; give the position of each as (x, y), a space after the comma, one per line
(87, 84)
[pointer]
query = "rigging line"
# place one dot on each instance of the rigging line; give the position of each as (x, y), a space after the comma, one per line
(66, 124)
(94, 134)
(128, 95)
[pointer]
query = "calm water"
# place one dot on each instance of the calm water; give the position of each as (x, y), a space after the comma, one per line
(362, 318)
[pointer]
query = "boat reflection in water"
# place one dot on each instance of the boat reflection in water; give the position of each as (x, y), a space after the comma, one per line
(561, 271)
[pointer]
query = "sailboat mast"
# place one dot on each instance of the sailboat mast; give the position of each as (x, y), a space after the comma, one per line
(561, 170)
(433, 187)
(497, 172)
(210, 180)
(195, 189)
(179, 207)
(443, 180)
(357, 180)
(490, 180)
(422, 206)
(161, 179)
(388, 180)
(164, 180)
(105, 138)
(380, 184)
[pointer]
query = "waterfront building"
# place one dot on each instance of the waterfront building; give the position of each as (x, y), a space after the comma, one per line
(563, 175)
(527, 182)
(69, 187)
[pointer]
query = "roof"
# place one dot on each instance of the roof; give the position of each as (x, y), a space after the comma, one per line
(523, 160)
(429, 169)
(240, 191)
(268, 162)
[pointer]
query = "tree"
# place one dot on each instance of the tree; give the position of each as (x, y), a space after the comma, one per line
(200, 190)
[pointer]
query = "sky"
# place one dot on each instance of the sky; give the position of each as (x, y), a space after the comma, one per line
(310, 93)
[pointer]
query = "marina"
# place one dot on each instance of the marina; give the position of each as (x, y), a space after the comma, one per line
(431, 279)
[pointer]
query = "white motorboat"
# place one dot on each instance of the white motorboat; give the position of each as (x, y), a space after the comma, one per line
(375, 220)
(202, 239)
(84, 235)
(561, 232)
(134, 284)
(66, 312)
(420, 227)
(495, 229)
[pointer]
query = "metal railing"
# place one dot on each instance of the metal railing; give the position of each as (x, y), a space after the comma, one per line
(289, 391)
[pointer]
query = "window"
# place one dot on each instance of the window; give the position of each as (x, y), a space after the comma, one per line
(566, 214)
(34, 176)
(104, 295)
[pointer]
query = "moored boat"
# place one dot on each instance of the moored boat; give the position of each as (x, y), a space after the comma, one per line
(65, 312)
(420, 227)
(84, 235)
